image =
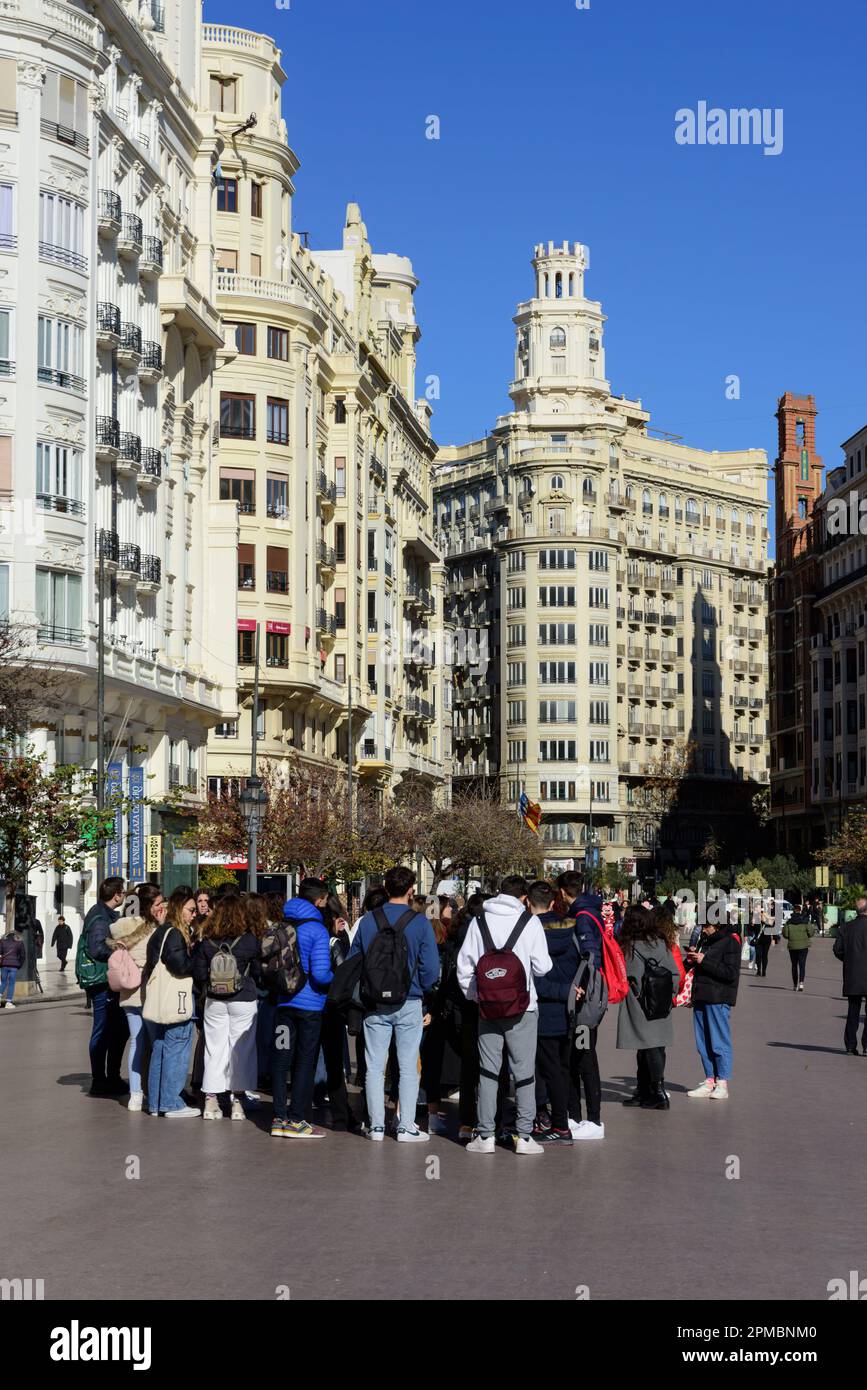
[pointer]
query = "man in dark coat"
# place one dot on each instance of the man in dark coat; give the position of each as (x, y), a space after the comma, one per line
(62, 941)
(110, 1028)
(850, 947)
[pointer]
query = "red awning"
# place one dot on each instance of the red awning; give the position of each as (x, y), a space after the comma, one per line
(246, 624)
(282, 629)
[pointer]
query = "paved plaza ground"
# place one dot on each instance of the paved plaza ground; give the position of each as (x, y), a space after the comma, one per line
(223, 1211)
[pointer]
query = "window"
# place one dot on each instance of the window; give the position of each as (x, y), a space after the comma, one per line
(237, 416)
(255, 265)
(224, 94)
(557, 750)
(663, 505)
(598, 598)
(557, 484)
(229, 729)
(802, 509)
(599, 634)
(556, 559)
(557, 791)
(7, 204)
(60, 347)
(278, 570)
(277, 496)
(516, 598)
(517, 750)
(245, 338)
(340, 410)
(246, 647)
(557, 596)
(276, 649)
(517, 562)
(58, 606)
(516, 673)
(278, 344)
(227, 195)
(58, 478)
(227, 261)
(340, 607)
(516, 635)
(256, 200)
(340, 542)
(598, 711)
(516, 711)
(557, 711)
(556, 672)
(239, 485)
(599, 750)
(646, 503)
(599, 673)
(558, 339)
(340, 668)
(246, 566)
(278, 421)
(587, 492)
(61, 231)
(598, 560)
(556, 634)
(340, 475)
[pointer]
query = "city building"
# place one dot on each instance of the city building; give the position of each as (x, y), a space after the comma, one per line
(619, 575)
(108, 342)
(325, 452)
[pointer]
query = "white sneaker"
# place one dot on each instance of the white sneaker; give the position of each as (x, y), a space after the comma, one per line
(799, 987)
(377, 1135)
(237, 1110)
(9, 1004)
(212, 1109)
(524, 1144)
(574, 1126)
(186, 1112)
(135, 1100)
(482, 1146)
(412, 1136)
(588, 1130)
(702, 1092)
(720, 1091)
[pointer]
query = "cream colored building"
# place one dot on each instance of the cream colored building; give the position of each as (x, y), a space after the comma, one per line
(621, 574)
(327, 454)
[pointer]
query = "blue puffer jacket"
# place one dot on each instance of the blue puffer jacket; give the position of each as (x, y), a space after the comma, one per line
(588, 933)
(553, 989)
(314, 945)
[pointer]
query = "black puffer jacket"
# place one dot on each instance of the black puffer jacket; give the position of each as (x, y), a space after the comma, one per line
(716, 979)
(850, 947)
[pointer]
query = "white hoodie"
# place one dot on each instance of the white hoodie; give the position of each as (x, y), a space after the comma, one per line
(501, 914)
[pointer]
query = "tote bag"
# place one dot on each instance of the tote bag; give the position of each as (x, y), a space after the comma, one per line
(167, 998)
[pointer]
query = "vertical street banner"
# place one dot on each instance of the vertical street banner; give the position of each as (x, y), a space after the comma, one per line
(113, 792)
(136, 825)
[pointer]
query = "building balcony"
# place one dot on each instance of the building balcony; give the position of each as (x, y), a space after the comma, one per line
(174, 777)
(326, 623)
(129, 241)
(151, 468)
(129, 563)
(107, 325)
(326, 491)
(150, 266)
(51, 376)
(151, 365)
(129, 348)
(129, 454)
(60, 255)
(50, 635)
(108, 548)
(107, 438)
(191, 311)
(65, 506)
(651, 730)
(109, 212)
(151, 575)
(635, 729)
(64, 134)
(325, 556)
(618, 503)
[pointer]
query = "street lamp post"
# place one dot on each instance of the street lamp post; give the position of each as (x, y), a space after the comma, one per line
(254, 802)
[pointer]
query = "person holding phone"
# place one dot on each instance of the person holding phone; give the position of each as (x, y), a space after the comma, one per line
(716, 965)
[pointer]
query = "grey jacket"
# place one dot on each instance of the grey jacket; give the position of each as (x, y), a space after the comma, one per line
(634, 1031)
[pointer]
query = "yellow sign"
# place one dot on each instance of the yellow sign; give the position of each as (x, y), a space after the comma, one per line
(154, 853)
(839, 880)
(822, 876)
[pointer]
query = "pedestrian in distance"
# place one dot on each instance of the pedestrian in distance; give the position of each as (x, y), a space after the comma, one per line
(170, 946)
(798, 933)
(128, 946)
(644, 1019)
(850, 947)
(110, 1029)
(400, 965)
(503, 952)
(767, 935)
(226, 968)
(298, 1016)
(62, 940)
(716, 965)
(12, 953)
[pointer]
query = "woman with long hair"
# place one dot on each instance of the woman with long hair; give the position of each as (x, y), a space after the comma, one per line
(204, 908)
(132, 934)
(642, 942)
(230, 1003)
(266, 913)
(171, 1042)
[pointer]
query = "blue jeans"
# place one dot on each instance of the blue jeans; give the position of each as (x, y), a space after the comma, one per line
(170, 1058)
(713, 1038)
(136, 1048)
(406, 1025)
(7, 982)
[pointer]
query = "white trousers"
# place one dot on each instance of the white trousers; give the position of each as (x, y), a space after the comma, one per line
(230, 1046)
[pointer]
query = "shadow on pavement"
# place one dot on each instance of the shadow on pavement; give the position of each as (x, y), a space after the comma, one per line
(808, 1047)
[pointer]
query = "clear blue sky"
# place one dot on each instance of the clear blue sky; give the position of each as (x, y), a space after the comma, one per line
(559, 122)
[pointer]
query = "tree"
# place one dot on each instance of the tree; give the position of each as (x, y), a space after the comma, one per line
(663, 780)
(47, 819)
(27, 685)
(846, 851)
(711, 851)
(751, 881)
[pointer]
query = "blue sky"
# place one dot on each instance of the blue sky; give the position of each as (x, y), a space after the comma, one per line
(558, 122)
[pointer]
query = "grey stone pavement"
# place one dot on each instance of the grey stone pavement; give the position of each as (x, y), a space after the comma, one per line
(222, 1211)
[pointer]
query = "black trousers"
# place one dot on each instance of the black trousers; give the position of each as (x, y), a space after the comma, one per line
(584, 1071)
(296, 1045)
(469, 1082)
(333, 1044)
(799, 965)
(651, 1071)
(763, 946)
(850, 1034)
(552, 1067)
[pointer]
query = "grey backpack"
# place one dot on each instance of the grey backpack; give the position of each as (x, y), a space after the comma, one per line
(224, 977)
(589, 1011)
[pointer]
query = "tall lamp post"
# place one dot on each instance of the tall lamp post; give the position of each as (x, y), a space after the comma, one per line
(254, 803)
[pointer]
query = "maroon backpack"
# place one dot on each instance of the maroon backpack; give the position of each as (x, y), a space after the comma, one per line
(501, 980)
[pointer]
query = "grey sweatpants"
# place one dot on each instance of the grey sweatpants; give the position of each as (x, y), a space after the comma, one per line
(518, 1035)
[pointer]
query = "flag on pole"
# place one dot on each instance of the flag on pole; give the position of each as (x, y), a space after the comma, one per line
(530, 812)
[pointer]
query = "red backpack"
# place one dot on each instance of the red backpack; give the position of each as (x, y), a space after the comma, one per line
(613, 966)
(501, 980)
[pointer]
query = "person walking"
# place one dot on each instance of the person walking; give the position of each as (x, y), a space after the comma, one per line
(767, 935)
(643, 946)
(132, 934)
(850, 947)
(12, 953)
(401, 964)
(298, 1018)
(817, 915)
(62, 941)
(506, 926)
(171, 1043)
(226, 970)
(798, 933)
(110, 1029)
(716, 965)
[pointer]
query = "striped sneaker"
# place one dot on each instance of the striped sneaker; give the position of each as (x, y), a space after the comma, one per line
(278, 1128)
(300, 1129)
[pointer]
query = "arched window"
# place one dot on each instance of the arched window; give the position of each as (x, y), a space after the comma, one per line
(632, 831)
(691, 510)
(736, 517)
(719, 515)
(662, 506)
(751, 521)
(527, 486)
(587, 489)
(558, 406)
(630, 492)
(558, 339)
(557, 484)
(707, 511)
(558, 285)
(612, 453)
(678, 509)
(799, 433)
(646, 503)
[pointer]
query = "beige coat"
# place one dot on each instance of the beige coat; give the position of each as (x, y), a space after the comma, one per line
(132, 933)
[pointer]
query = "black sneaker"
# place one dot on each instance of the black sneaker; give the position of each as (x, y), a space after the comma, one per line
(555, 1136)
(635, 1099)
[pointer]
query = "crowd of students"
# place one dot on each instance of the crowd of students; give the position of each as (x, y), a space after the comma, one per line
(221, 997)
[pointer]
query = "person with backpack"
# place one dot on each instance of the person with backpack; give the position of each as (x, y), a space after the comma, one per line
(553, 1040)
(168, 958)
(503, 951)
(400, 963)
(644, 1019)
(716, 965)
(128, 946)
(297, 964)
(226, 970)
(62, 940)
(586, 908)
(335, 1052)
(798, 933)
(110, 1028)
(12, 954)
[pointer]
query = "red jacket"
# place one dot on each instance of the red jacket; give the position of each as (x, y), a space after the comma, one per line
(678, 960)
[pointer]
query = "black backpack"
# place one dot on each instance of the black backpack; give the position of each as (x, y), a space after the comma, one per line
(657, 991)
(385, 977)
